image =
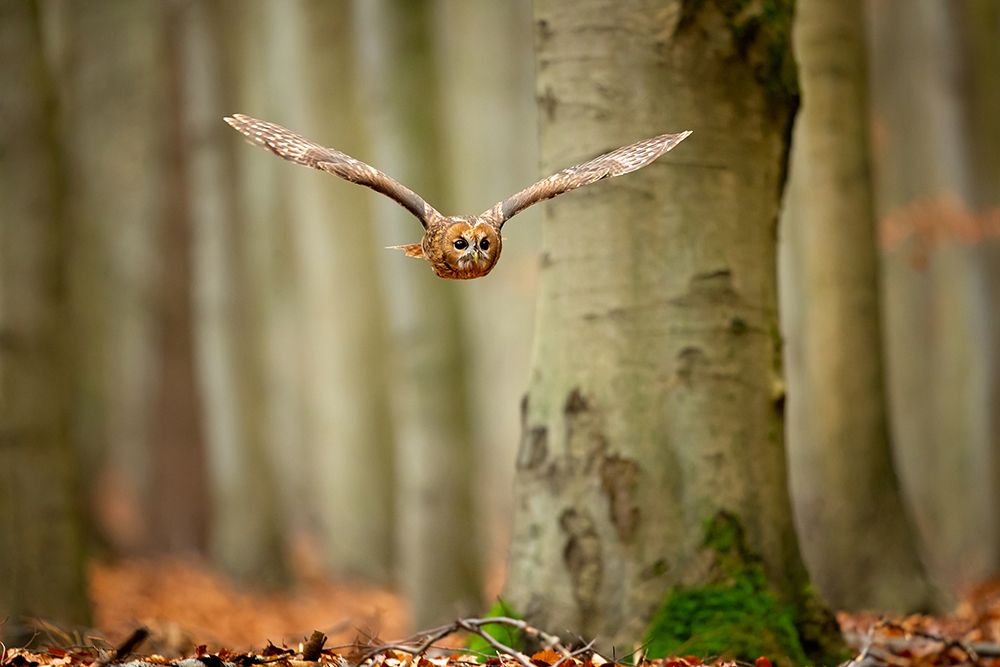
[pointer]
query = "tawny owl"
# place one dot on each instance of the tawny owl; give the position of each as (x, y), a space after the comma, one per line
(464, 246)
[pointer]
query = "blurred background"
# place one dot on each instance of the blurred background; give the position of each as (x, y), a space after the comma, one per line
(250, 377)
(206, 352)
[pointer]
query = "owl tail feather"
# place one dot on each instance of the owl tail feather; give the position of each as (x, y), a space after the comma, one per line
(409, 249)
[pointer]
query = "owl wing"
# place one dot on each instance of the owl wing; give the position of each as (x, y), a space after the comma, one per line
(286, 144)
(619, 161)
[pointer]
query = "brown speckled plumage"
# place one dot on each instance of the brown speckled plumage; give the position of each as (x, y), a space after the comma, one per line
(458, 247)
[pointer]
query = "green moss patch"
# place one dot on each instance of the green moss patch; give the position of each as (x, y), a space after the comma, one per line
(740, 619)
(737, 615)
(762, 33)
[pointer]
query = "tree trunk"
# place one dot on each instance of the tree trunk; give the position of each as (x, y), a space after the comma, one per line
(345, 404)
(178, 507)
(41, 523)
(937, 285)
(232, 194)
(651, 496)
(855, 534)
(438, 531)
(112, 75)
(492, 151)
(977, 24)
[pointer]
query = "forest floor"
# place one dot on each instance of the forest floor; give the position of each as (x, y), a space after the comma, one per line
(185, 604)
(189, 610)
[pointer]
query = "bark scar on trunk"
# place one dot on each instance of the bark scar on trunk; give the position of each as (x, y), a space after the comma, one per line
(716, 284)
(582, 556)
(688, 361)
(575, 403)
(708, 289)
(534, 448)
(619, 477)
(586, 443)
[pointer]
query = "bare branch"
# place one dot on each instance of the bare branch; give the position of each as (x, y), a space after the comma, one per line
(476, 626)
(131, 643)
(477, 629)
(915, 637)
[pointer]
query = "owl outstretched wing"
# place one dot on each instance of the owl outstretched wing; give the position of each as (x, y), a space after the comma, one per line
(288, 145)
(619, 161)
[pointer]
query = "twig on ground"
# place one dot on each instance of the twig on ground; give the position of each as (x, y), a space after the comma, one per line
(971, 649)
(314, 647)
(131, 643)
(475, 626)
(862, 659)
(477, 629)
(589, 646)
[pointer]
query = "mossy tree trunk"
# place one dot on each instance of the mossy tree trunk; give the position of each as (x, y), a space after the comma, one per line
(42, 532)
(858, 541)
(651, 476)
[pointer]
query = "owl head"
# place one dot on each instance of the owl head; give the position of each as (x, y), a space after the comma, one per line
(468, 248)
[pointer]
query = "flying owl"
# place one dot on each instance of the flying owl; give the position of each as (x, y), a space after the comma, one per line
(463, 246)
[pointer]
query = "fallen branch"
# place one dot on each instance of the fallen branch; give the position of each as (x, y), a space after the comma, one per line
(589, 646)
(130, 644)
(915, 637)
(475, 626)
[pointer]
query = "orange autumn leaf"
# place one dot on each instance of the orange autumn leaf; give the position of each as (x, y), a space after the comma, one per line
(546, 657)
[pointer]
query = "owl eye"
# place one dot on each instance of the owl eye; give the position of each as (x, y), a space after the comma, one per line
(461, 244)
(484, 244)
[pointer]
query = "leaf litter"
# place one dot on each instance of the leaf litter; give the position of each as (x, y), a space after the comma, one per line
(208, 608)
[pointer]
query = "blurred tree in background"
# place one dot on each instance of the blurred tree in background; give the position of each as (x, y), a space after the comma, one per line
(248, 385)
(438, 549)
(235, 256)
(245, 375)
(937, 196)
(855, 532)
(42, 527)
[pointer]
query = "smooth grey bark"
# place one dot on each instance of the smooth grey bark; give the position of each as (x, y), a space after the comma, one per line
(856, 537)
(177, 510)
(248, 536)
(344, 402)
(270, 43)
(654, 413)
(937, 284)
(977, 25)
(438, 541)
(41, 522)
(110, 65)
(491, 152)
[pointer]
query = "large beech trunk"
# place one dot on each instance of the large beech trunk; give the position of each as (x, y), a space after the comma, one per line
(651, 476)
